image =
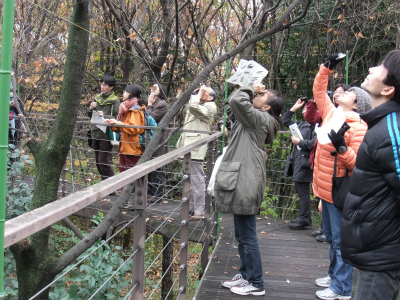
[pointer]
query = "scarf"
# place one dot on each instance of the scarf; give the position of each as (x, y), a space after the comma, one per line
(124, 107)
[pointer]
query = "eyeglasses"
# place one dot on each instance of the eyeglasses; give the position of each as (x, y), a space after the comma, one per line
(338, 92)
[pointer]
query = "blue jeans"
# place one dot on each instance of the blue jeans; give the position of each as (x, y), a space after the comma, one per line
(378, 285)
(249, 252)
(340, 272)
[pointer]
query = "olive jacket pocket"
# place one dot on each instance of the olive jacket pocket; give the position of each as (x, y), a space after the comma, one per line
(227, 176)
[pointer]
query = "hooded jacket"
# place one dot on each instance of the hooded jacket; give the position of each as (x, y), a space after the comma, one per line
(324, 162)
(371, 214)
(240, 180)
(130, 140)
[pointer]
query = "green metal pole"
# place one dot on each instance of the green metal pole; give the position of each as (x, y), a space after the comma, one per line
(223, 126)
(347, 67)
(226, 97)
(5, 81)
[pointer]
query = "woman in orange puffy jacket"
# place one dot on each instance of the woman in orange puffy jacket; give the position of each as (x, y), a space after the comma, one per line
(352, 103)
(130, 113)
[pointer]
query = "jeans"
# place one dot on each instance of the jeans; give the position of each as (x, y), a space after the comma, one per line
(340, 272)
(303, 190)
(378, 285)
(249, 252)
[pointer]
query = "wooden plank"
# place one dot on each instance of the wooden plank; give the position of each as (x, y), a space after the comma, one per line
(292, 260)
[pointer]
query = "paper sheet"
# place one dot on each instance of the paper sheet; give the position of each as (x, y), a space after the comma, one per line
(337, 120)
(294, 129)
(248, 73)
(97, 119)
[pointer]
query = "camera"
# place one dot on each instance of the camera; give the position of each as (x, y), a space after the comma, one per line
(304, 99)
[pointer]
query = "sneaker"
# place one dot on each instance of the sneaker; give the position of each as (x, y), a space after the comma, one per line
(328, 294)
(321, 238)
(317, 232)
(324, 281)
(236, 280)
(247, 289)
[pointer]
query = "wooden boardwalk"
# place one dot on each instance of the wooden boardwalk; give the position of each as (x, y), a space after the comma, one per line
(292, 260)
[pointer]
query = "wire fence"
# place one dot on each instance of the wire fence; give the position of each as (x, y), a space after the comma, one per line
(152, 251)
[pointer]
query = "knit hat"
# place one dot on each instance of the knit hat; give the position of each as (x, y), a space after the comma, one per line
(363, 100)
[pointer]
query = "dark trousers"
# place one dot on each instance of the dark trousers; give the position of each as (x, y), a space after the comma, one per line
(127, 161)
(156, 183)
(303, 190)
(378, 285)
(103, 155)
(249, 251)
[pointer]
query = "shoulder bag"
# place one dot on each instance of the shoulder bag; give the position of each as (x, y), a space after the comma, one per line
(340, 187)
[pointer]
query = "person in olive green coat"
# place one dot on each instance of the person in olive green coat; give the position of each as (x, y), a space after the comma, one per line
(240, 180)
(106, 104)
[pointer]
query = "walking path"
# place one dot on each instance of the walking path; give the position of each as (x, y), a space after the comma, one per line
(292, 260)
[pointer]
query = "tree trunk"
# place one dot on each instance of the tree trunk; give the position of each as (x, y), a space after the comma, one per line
(34, 259)
(167, 268)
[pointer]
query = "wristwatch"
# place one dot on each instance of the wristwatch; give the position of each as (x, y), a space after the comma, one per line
(342, 149)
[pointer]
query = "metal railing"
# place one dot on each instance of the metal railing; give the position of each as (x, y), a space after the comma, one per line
(173, 224)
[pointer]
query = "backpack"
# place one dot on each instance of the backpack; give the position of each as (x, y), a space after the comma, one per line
(148, 121)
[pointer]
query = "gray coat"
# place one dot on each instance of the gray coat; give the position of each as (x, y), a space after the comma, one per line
(240, 181)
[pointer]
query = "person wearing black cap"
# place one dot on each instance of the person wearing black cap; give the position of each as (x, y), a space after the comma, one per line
(106, 104)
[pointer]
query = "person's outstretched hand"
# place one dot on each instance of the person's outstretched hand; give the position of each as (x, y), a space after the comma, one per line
(337, 138)
(297, 105)
(333, 60)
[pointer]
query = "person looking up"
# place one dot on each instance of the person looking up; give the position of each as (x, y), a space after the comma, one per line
(299, 163)
(371, 213)
(240, 181)
(198, 114)
(344, 144)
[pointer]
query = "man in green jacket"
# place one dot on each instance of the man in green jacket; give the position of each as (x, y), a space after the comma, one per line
(106, 104)
(240, 181)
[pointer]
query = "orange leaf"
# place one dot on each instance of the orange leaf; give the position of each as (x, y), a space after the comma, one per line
(340, 16)
(285, 22)
(330, 29)
(263, 232)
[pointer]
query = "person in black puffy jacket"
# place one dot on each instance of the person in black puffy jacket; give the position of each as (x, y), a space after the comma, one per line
(371, 214)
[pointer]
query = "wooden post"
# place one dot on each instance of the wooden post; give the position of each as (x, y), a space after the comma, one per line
(139, 237)
(185, 227)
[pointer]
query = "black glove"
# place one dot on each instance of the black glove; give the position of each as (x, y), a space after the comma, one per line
(337, 138)
(333, 60)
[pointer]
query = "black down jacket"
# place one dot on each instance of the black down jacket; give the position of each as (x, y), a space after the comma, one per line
(371, 214)
(299, 159)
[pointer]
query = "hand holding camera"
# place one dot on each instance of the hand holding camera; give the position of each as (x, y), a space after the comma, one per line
(333, 60)
(299, 103)
(258, 88)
